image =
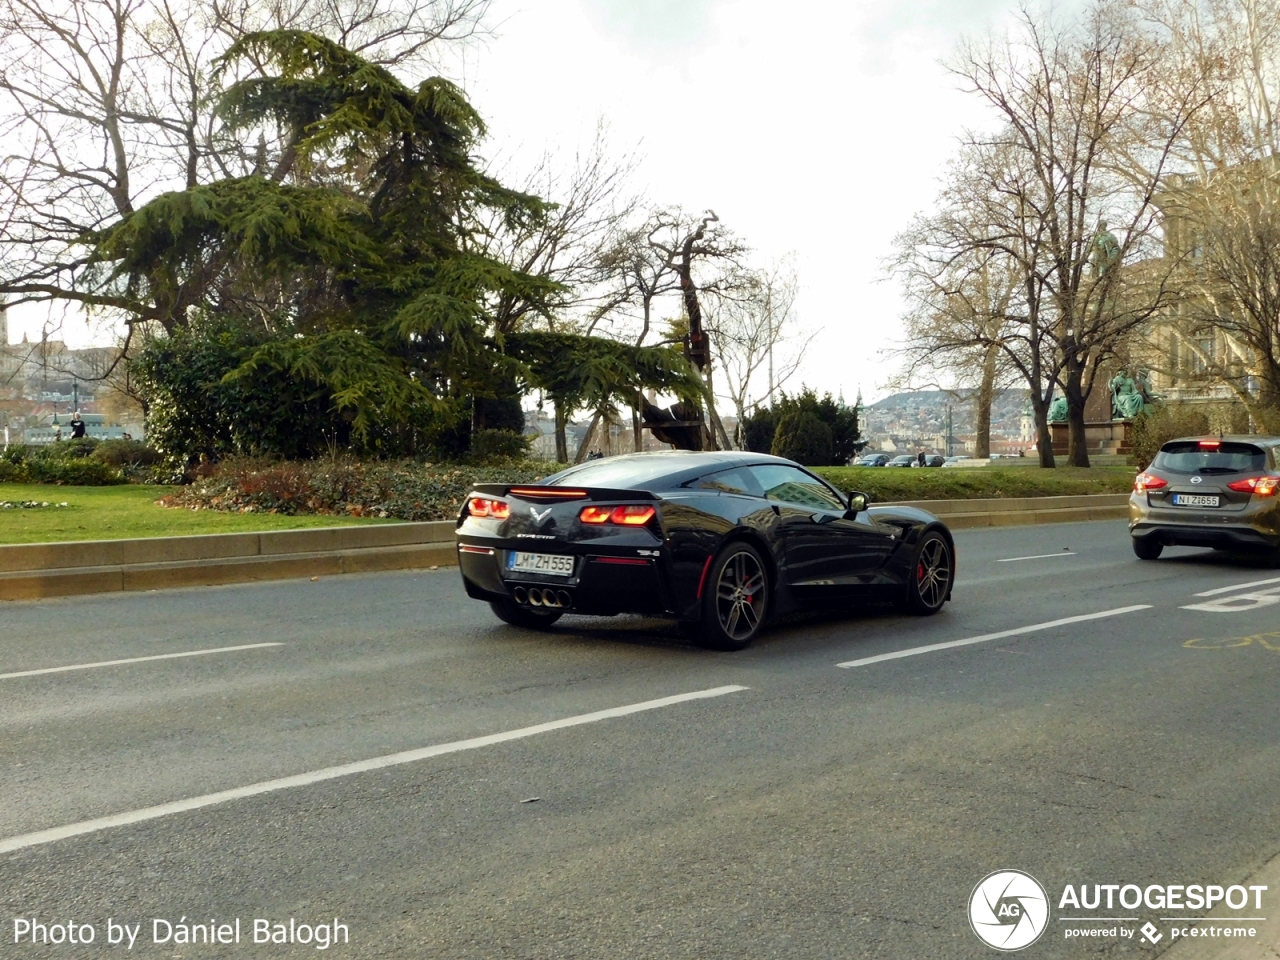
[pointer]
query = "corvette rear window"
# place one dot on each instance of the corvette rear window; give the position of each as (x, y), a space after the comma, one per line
(616, 472)
(1190, 457)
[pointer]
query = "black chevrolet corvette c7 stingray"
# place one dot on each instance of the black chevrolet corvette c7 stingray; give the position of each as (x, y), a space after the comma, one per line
(719, 541)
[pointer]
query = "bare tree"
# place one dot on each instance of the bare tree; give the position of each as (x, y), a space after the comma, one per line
(703, 256)
(575, 244)
(1223, 217)
(753, 329)
(1086, 132)
(959, 329)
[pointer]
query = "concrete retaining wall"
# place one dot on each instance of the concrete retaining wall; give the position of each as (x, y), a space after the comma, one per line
(38, 570)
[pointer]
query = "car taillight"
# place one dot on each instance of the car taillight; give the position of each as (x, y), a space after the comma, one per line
(630, 515)
(595, 514)
(1148, 481)
(633, 516)
(483, 507)
(1258, 486)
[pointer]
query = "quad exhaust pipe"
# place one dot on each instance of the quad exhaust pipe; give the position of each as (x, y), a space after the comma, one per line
(538, 597)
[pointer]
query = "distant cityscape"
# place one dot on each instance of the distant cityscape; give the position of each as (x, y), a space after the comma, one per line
(917, 420)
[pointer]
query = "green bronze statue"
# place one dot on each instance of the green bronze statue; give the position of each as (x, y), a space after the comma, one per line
(1057, 410)
(1130, 395)
(1106, 250)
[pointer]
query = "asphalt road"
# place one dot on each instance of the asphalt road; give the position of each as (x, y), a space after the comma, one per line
(820, 812)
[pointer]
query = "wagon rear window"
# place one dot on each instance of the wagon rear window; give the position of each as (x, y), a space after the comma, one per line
(1188, 456)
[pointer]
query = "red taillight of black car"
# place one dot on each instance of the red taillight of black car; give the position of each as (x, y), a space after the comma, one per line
(1258, 486)
(484, 507)
(628, 515)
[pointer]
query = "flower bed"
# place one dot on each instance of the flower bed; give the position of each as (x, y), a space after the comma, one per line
(402, 490)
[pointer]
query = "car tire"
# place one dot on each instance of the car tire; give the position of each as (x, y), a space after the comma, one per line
(1144, 548)
(932, 572)
(735, 602)
(508, 611)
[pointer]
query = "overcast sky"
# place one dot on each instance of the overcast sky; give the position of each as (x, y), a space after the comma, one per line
(813, 129)
(817, 129)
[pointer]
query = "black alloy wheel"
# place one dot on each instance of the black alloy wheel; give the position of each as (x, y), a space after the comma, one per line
(511, 612)
(1146, 548)
(736, 598)
(929, 583)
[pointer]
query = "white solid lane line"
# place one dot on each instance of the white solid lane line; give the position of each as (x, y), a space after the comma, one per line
(1038, 556)
(10, 844)
(1238, 586)
(1033, 628)
(116, 663)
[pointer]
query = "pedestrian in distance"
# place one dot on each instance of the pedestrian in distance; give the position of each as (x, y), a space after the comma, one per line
(920, 458)
(77, 426)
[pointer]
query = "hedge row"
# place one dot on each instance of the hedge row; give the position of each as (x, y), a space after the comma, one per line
(404, 490)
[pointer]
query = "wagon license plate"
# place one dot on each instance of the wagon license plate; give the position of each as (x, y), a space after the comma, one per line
(1194, 500)
(555, 564)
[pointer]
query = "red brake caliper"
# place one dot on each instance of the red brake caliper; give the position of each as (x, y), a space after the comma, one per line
(920, 572)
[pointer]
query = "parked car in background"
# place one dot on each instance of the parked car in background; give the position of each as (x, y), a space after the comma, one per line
(906, 460)
(874, 460)
(930, 460)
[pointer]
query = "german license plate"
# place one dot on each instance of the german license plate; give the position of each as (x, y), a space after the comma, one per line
(1194, 500)
(555, 564)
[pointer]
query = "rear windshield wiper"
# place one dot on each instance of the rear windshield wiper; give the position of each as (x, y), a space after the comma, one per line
(1218, 470)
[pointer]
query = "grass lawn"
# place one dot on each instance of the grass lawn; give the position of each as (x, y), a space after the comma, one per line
(125, 512)
(983, 482)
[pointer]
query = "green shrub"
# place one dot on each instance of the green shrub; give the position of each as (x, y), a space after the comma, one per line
(1157, 425)
(14, 471)
(495, 446)
(759, 429)
(804, 438)
(404, 490)
(126, 453)
(77, 472)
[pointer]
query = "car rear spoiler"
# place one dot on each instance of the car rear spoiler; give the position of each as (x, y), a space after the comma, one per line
(566, 493)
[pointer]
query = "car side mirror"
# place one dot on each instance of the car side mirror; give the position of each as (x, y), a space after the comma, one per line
(858, 501)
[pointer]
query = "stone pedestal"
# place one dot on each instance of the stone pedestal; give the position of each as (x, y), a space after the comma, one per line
(1100, 437)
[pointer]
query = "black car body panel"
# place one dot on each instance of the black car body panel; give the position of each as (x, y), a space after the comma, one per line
(817, 552)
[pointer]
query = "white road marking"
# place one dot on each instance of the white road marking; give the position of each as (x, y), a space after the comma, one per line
(1238, 586)
(1038, 556)
(116, 663)
(10, 844)
(1033, 628)
(1238, 602)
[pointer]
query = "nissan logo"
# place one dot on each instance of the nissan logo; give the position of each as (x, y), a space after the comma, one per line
(1196, 479)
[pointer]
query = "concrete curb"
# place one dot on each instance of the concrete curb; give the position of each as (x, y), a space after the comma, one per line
(39, 570)
(1016, 511)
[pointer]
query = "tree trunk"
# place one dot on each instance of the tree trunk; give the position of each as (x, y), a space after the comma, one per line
(637, 429)
(718, 435)
(562, 440)
(585, 447)
(986, 393)
(1077, 450)
(1044, 439)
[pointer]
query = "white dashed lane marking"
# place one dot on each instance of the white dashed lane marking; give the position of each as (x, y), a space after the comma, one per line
(1016, 631)
(117, 663)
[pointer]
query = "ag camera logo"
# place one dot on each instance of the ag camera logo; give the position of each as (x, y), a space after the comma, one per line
(1009, 910)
